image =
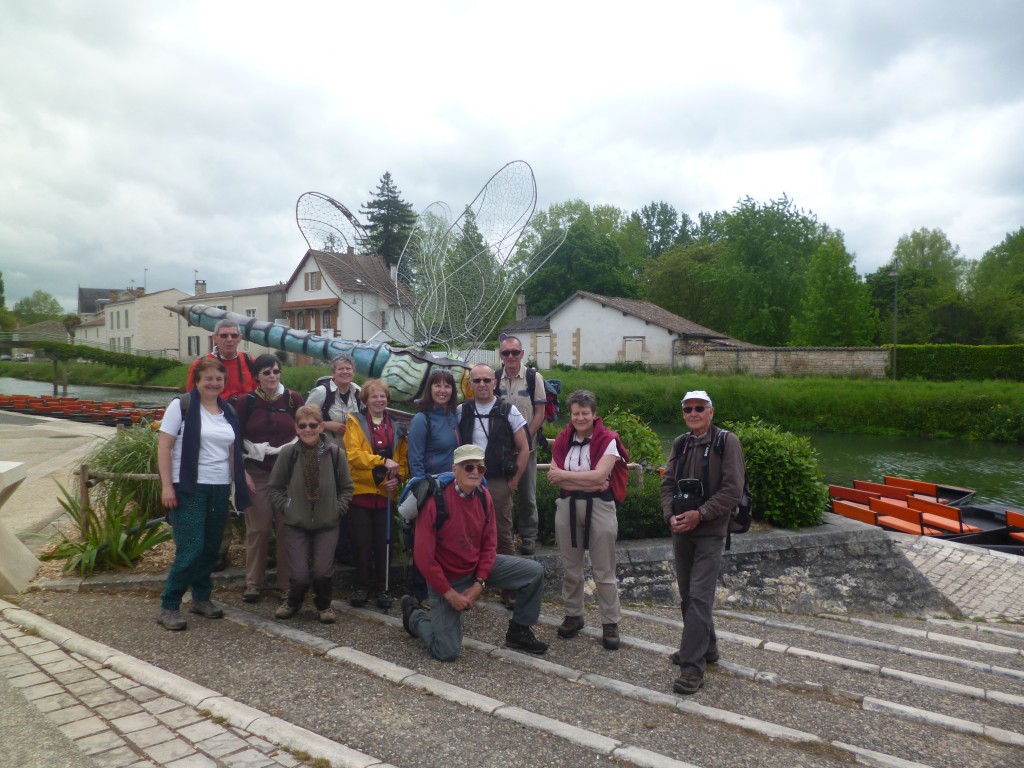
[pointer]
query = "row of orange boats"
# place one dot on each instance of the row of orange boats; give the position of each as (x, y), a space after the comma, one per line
(110, 413)
(930, 509)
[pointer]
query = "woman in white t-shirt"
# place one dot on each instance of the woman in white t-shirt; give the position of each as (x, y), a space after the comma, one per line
(582, 459)
(198, 455)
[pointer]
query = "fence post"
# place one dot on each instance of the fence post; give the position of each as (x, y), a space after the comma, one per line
(83, 501)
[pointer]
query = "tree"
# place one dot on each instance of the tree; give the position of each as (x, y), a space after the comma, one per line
(71, 322)
(661, 223)
(37, 307)
(767, 249)
(997, 284)
(390, 220)
(682, 281)
(836, 309)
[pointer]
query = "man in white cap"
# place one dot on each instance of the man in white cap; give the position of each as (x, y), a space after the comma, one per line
(456, 551)
(699, 490)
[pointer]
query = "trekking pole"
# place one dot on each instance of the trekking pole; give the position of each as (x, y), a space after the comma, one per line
(384, 601)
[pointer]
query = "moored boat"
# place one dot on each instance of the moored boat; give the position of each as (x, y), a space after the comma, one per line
(120, 413)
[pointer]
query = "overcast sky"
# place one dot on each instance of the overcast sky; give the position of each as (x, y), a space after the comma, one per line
(148, 142)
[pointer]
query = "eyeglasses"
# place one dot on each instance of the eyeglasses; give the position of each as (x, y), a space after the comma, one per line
(228, 335)
(511, 352)
(482, 468)
(692, 408)
(269, 372)
(308, 425)
(482, 380)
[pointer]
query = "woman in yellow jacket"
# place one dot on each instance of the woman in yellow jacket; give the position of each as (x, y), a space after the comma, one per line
(377, 448)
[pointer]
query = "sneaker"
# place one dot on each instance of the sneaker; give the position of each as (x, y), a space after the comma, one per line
(522, 639)
(610, 636)
(326, 616)
(285, 611)
(359, 598)
(384, 601)
(409, 604)
(687, 684)
(508, 598)
(171, 620)
(527, 548)
(208, 609)
(571, 626)
(251, 595)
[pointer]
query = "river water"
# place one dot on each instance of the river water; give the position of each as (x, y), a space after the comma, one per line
(994, 470)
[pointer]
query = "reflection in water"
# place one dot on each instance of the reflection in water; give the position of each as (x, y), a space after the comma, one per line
(143, 397)
(992, 469)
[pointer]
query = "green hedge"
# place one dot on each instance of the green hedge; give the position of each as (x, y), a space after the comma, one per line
(146, 365)
(957, 362)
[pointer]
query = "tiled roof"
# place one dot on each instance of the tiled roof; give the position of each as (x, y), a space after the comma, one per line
(197, 299)
(648, 312)
(359, 272)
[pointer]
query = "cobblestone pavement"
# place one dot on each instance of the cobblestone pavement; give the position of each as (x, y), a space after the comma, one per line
(958, 570)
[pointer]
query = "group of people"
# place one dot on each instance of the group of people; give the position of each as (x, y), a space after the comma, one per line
(308, 466)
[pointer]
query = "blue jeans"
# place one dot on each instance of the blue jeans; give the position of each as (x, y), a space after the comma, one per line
(197, 524)
(440, 628)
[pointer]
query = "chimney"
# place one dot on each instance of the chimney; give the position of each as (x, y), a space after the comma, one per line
(520, 307)
(351, 251)
(200, 288)
(394, 274)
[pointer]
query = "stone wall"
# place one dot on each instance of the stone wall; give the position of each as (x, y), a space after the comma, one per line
(869, 362)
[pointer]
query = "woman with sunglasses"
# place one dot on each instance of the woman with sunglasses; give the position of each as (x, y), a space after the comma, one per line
(377, 448)
(267, 416)
(582, 459)
(310, 488)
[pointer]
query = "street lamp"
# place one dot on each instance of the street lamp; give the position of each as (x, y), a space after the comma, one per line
(895, 275)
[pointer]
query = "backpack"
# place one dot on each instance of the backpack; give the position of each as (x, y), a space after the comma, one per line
(500, 453)
(432, 486)
(331, 395)
(741, 516)
(552, 388)
(619, 478)
(186, 398)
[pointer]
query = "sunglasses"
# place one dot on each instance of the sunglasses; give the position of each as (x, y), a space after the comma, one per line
(692, 408)
(482, 381)
(469, 467)
(511, 352)
(228, 335)
(308, 425)
(271, 372)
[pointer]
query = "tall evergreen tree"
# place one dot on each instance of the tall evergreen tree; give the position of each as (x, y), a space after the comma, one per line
(389, 219)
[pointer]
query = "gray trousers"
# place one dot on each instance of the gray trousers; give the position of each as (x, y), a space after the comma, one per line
(604, 528)
(698, 560)
(440, 628)
(502, 498)
(311, 554)
(528, 520)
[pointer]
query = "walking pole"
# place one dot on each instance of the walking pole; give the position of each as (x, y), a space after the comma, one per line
(384, 601)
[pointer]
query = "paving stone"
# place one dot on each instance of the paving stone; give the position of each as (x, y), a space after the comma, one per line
(27, 681)
(198, 760)
(142, 693)
(85, 727)
(150, 736)
(221, 745)
(179, 718)
(51, 703)
(41, 691)
(69, 714)
(99, 742)
(261, 744)
(63, 665)
(99, 698)
(87, 686)
(161, 704)
(167, 751)
(118, 709)
(49, 657)
(201, 731)
(250, 758)
(75, 675)
(135, 722)
(117, 758)
(16, 666)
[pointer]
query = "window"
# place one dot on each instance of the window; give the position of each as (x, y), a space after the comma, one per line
(117, 319)
(250, 313)
(126, 318)
(223, 306)
(128, 344)
(193, 346)
(326, 320)
(300, 320)
(311, 281)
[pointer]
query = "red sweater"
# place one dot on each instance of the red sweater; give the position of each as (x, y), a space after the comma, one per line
(466, 544)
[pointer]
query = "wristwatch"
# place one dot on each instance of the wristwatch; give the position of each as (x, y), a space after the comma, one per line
(481, 582)
(700, 514)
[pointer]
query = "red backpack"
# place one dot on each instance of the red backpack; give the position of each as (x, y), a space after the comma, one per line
(620, 473)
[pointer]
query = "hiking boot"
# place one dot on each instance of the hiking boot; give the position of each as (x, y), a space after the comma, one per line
(610, 636)
(171, 620)
(687, 684)
(508, 598)
(208, 609)
(223, 561)
(285, 611)
(251, 595)
(359, 598)
(571, 626)
(326, 616)
(384, 601)
(675, 659)
(527, 548)
(409, 604)
(522, 639)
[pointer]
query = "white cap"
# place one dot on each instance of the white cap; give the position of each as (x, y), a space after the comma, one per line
(697, 394)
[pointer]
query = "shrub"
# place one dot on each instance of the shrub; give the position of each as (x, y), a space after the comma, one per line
(640, 440)
(115, 538)
(786, 482)
(130, 451)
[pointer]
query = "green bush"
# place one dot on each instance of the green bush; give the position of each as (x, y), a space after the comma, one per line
(957, 362)
(130, 451)
(786, 482)
(640, 440)
(113, 538)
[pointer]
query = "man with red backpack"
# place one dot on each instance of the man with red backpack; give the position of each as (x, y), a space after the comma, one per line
(699, 490)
